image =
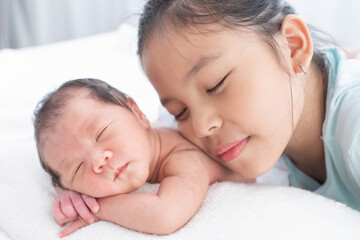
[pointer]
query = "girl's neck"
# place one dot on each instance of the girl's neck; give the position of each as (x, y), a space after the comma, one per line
(306, 147)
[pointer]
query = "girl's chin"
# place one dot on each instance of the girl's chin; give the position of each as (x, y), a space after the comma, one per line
(251, 170)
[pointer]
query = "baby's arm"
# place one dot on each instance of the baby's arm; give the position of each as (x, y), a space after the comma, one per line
(184, 178)
(184, 182)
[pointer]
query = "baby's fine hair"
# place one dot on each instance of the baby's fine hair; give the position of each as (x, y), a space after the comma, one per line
(262, 17)
(50, 108)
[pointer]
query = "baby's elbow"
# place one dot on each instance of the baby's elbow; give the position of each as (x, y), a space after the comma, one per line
(166, 230)
(168, 224)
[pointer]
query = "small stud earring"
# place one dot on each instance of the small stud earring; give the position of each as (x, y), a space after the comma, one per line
(302, 68)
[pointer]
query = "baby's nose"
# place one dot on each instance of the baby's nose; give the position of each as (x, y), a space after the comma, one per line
(101, 160)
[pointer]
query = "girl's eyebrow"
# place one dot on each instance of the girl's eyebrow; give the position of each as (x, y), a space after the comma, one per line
(203, 61)
(165, 101)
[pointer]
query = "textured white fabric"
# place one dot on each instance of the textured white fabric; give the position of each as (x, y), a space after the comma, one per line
(230, 210)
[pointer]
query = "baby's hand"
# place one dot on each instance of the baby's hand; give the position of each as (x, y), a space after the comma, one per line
(74, 207)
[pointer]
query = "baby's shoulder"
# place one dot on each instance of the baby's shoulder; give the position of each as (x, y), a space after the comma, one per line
(176, 151)
(173, 140)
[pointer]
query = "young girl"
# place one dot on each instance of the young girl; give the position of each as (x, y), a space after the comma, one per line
(246, 84)
(93, 139)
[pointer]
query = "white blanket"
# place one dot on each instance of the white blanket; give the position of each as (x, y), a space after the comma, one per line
(230, 210)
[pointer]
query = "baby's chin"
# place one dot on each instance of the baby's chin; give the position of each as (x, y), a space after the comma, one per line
(135, 182)
(95, 193)
(100, 193)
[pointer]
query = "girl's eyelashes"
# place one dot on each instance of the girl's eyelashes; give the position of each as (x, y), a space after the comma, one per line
(178, 116)
(216, 87)
(209, 91)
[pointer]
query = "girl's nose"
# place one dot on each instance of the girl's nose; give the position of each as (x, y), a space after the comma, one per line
(100, 160)
(205, 123)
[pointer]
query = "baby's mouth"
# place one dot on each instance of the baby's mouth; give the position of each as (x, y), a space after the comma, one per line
(120, 170)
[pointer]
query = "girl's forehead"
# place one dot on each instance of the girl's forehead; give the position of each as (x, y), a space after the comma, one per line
(210, 38)
(182, 51)
(191, 35)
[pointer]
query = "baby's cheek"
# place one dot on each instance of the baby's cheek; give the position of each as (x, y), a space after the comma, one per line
(136, 180)
(92, 187)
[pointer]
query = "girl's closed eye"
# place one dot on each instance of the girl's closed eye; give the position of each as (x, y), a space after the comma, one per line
(178, 116)
(217, 86)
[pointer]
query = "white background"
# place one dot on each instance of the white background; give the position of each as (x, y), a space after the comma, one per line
(31, 22)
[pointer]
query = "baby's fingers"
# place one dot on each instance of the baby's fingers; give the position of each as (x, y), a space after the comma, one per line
(59, 216)
(91, 203)
(67, 203)
(74, 226)
(82, 209)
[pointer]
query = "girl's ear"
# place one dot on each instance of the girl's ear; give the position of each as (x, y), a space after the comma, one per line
(138, 113)
(298, 42)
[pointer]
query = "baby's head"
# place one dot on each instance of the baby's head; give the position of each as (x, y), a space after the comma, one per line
(92, 138)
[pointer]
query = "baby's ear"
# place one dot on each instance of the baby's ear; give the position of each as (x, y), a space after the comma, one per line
(138, 113)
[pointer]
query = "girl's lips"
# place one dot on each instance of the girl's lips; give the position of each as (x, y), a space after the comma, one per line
(120, 170)
(231, 150)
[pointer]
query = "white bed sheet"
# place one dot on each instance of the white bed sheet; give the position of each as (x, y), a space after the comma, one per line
(230, 210)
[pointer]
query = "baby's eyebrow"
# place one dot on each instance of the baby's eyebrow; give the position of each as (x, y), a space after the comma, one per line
(64, 168)
(90, 125)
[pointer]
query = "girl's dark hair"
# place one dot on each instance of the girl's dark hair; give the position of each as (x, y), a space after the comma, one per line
(50, 108)
(263, 17)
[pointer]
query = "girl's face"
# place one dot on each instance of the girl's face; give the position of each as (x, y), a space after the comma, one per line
(98, 149)
(229, 93)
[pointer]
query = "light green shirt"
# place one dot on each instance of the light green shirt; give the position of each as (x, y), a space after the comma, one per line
(340, 134)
